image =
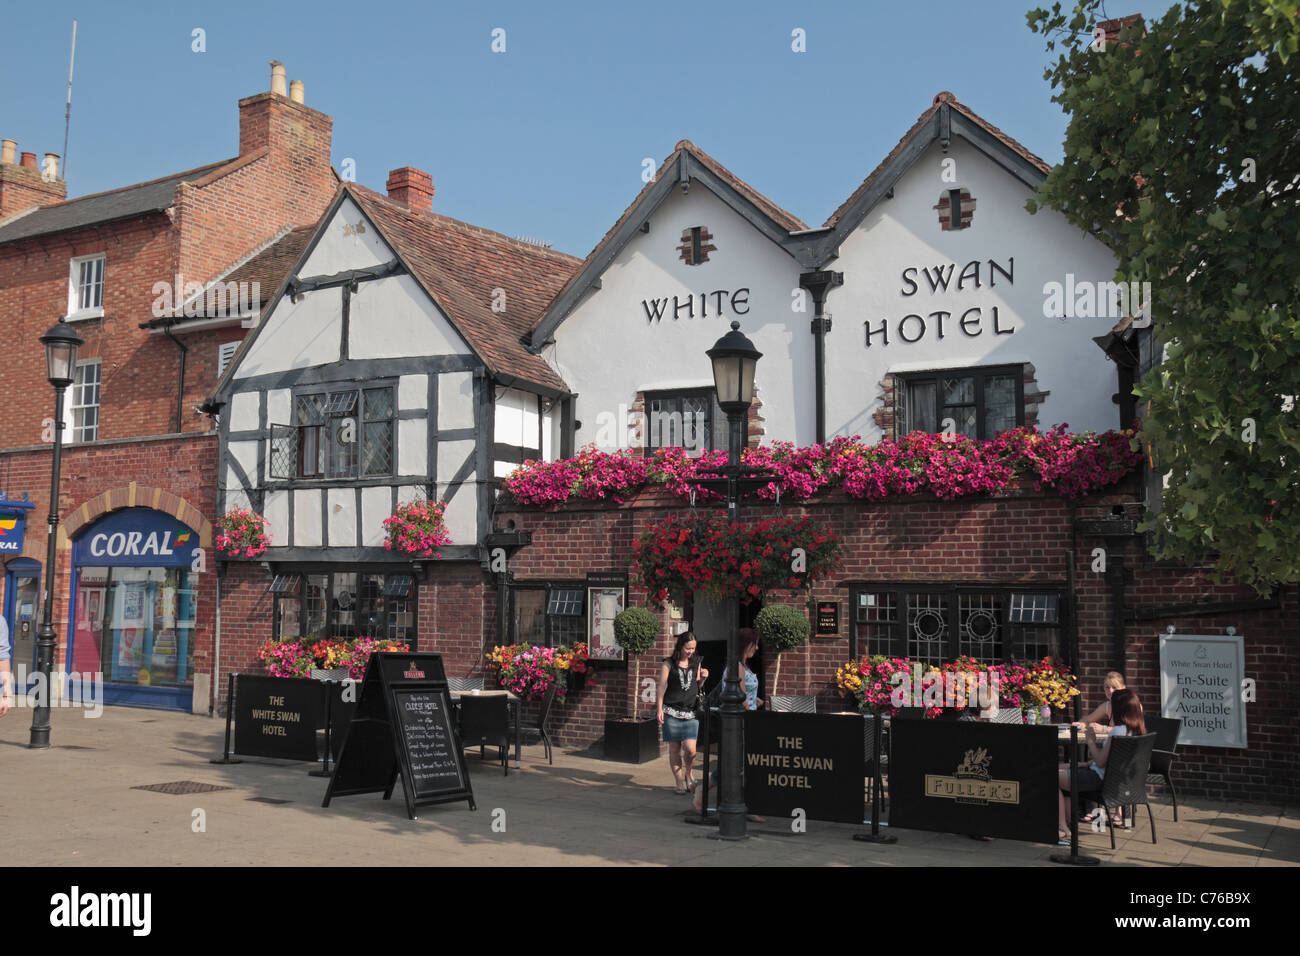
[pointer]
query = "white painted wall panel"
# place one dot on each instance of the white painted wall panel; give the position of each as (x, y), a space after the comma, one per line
(455, 400)
(462, 515)
(376, 505)
(451, 455)
(297, 336)
(413, 446)
(342, 514)
(306, 519)
(235, 496)
(516, 418)
(244, 453)
(392, 317)
(409, 493)
(277, 512)
(243, 411)
(278, 407)
(412, 391)
(349, 242)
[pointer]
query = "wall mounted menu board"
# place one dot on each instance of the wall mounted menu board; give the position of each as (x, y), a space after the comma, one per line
(424, 719)
(403, 728)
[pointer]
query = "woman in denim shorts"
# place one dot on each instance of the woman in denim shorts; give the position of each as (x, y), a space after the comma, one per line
(680, 675)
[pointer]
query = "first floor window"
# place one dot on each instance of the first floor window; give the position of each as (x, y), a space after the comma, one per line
(344, 605)
(977, 403)
(86, 286)
(83, 412)
(690, 420)
(342, 433)
(934, 625)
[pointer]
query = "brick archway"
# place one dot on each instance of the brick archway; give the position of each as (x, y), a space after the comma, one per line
(135, 496)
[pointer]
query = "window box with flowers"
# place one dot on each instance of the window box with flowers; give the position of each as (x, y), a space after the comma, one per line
(324, 658)
(417, 529)
(241, 534)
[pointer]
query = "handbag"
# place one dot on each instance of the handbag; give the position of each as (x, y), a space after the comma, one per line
(701, 699)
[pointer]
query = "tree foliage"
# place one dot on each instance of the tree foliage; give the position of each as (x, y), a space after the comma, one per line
(1183, 154)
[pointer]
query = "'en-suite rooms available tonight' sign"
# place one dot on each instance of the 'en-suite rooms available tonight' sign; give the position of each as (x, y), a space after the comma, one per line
(1202, 682)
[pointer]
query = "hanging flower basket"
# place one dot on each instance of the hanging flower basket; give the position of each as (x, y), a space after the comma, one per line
(240, 534)
(417, 529)
(708, 554)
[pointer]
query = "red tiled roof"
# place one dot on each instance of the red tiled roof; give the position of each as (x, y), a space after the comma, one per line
(269, 267)
(944, 97)
(461, 265)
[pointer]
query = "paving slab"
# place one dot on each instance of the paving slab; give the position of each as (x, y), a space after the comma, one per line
(577, 811)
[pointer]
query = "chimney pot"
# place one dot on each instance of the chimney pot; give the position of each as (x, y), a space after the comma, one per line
(28, 160)
(7, 148)
(277, 77)
(411, 187)
(296, 91)
(51, 166)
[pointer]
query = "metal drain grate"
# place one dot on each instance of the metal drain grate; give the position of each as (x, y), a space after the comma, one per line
(182, 786)
(267, 800)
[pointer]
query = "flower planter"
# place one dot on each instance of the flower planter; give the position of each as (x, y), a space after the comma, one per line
(632, 740)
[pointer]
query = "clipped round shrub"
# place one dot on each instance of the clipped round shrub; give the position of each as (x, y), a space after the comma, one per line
(781, 626)
(636, 630)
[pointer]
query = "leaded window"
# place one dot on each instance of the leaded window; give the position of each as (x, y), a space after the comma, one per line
(548, 615)
(691, 420)
(937, 624)
(337, 433)
(344, 605)
(977, 403)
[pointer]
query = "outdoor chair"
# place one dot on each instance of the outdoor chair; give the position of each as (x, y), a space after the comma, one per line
(795, 705)
(484, 722)
(1166, 730)
(547, 701)
(1127, 763)
(461, 684)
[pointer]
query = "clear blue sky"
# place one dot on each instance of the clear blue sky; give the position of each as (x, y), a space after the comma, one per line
(546, 139)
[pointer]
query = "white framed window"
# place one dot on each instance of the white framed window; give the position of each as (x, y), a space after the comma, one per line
(225, 352)
(86, 287)
(83, 403)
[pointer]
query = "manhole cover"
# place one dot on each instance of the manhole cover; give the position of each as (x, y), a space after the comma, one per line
(268, 800)
(181, 786)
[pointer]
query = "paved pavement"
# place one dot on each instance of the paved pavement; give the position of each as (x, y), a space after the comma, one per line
(579, 811)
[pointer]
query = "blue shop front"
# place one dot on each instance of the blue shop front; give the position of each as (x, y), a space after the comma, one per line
(134, 606)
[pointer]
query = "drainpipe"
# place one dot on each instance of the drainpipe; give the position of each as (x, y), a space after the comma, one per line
(819, 284)
(180, 384)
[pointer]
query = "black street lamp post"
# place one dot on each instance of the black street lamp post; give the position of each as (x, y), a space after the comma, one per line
(61, 344)
(734, 358)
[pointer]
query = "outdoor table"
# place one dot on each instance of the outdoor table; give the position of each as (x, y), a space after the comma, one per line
(514, 703)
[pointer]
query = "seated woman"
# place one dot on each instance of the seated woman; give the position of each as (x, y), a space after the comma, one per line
(1126, 711)
(1112, 682)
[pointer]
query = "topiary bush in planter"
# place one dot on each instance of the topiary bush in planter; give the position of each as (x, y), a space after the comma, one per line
(632, 739)
(782, 628)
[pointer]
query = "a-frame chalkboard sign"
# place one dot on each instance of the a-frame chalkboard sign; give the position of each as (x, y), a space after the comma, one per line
(403, 727)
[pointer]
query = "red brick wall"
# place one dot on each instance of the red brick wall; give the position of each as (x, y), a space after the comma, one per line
(1023, 538)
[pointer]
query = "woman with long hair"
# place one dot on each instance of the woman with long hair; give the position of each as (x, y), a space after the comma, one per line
(680, 676)
(1128, 719)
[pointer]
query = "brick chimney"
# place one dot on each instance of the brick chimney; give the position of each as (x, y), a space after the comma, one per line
(273, 119)
(411, 187)
(22, 184)
(1112, 27)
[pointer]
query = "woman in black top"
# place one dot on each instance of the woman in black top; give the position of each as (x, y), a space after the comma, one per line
(680, 675)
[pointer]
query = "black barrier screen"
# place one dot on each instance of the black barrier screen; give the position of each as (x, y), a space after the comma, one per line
(424, 719)
(278, 716)
(342, 709)
(809, 762)
(996, 780)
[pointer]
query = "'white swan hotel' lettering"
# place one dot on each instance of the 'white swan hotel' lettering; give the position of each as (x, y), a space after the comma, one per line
(131, 544)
